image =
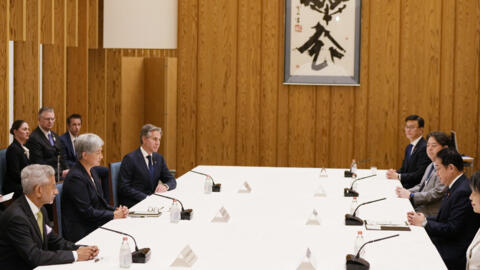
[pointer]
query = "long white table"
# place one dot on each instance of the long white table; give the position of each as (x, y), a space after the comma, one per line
(267, 227)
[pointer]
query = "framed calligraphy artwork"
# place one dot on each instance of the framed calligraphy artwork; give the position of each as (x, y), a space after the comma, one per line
(322, 42)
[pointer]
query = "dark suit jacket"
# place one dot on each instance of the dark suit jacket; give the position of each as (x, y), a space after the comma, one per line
(135, 182)
(41, 152)
(16, 161)
(455, 225)
(70, 156)
(84, 208)
(413, 168)
(21, 244)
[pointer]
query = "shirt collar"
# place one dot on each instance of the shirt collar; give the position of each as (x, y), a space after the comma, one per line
(414, 143)
(144, 153)
(454, 180)
(33, 207)
(71, 136)
(44, 131)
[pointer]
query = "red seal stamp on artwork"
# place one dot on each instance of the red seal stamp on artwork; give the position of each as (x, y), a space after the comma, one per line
(298, 28)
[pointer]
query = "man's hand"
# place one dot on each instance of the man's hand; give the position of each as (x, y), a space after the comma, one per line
(415, 219)
(392, 174)
(402, 193)
(161, 188)
(120, 212)
(87, 253)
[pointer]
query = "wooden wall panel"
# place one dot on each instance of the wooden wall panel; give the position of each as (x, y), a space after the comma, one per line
(4, 72)
(18, 20)
(93, 23)
(26, 81)
(465, 110)
(97, 97)
(72, 22)
(114, 87)
(248, 82)
(187, 83)
(77, 67)
(342, 101)
(54, 66)
(447, 62)
(47, 22)
(269, 82)
(216, 92)
(322, 126)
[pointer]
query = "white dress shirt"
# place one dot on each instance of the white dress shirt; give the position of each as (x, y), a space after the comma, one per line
(473, 253)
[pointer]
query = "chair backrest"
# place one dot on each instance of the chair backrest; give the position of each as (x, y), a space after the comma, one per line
(57, 216)
(3, 167)
(114, 178)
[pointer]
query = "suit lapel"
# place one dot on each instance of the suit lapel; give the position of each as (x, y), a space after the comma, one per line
(145, 170)
(33, 221)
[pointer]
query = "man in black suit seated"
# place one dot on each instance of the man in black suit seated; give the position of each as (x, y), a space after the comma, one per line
(84, 208)
(74, 125)
(144, 171)
(26, 241)
(45, 145)
(415, 160)
(455, 225)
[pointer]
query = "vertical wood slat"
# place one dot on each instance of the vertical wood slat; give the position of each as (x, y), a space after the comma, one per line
(447, 69)
(77, 68)
(342, 101)
(114, 84)
(26, 82)
(93, 23)
(248, 83)
(4, 72)
(18, 20)
(54, 66)
(97, 97)
(322, 126)
(187, 84)
(466, 76)
(72, 22)
(47, 22)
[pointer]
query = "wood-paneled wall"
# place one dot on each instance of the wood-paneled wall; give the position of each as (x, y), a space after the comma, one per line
(418, 57)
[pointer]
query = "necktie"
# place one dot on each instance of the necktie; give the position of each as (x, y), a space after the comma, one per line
(426, 179)
(409, 150)
(50, 138)
(40, 222)
(150, 165)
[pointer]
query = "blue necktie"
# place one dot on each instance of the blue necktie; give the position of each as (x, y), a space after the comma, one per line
(150, 166)
(426, 179)
(409, 150)
(50, 138)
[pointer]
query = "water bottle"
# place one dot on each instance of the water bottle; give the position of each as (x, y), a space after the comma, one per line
(125, 255)
(359, 241)
(175, 212)
(208, 185)
(354, 168)
(354, 205)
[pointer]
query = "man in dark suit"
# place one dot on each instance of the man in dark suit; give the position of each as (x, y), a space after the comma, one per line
(415, 159)
(25, 240)
(84, 208)
(74, 125)
(144, 171)
(455, 225)
(45, 145)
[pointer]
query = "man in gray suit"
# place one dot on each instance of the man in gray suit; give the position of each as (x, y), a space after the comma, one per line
(426, 196)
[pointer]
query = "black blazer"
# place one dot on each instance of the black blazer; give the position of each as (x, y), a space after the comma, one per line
(21, 244)
(41, 152)
(84, 208)
(135, 182)
(413, 169)
(70, 156)
(455, 225)
(16, 161)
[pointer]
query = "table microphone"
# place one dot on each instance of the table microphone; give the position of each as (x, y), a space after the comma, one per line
(354, 262)
(354, 220)
(349, 192)
(215, 187)
(139, 255)
(184, 214)
(349, 173)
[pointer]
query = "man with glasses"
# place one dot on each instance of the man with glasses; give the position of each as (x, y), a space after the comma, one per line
(415, 159)
(45, 145)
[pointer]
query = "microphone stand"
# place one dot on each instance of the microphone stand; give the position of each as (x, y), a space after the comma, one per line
(184, 214)
(357, 263)
(215, 187)
(139, 255)
(349, 192)
(354, 220)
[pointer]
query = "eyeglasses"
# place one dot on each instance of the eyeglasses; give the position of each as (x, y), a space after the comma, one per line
(49, 118)
(410, 127)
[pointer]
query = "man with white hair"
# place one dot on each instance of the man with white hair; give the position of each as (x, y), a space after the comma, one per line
(25, 240)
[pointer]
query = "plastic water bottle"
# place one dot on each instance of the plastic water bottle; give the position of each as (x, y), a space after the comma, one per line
(354, 205)
(359, 241)
(175, 212)
(208, 185)
(125, 255)
(354, 167)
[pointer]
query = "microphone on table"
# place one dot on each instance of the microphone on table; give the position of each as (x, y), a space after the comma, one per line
(349, 192)
(349, 173)
(57, 153)
(184, 214)
(354, 262)
(215, 187)
(139, 255)
(351, 219)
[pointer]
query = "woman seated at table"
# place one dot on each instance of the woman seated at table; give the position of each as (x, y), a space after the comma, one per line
(426, 197)
(84, 208)
(17, 157)
(473, 251)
